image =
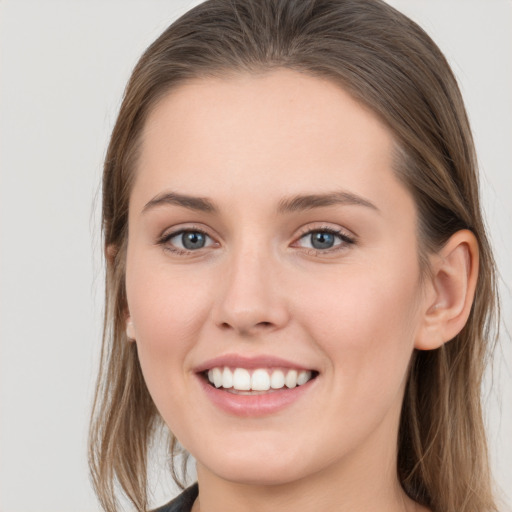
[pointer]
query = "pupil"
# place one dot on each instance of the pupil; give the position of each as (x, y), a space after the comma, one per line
(322, 240)
(193, 240)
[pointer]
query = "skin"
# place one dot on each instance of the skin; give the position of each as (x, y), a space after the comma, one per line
(353, 313)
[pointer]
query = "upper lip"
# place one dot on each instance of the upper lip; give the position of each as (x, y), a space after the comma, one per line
(239, 361)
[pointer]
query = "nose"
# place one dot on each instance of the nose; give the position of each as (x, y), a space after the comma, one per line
(252, 300)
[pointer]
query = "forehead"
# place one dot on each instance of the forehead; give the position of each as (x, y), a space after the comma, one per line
(280, 107)
(271, 132)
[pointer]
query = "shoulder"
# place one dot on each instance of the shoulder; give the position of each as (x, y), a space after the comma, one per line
(183, 502)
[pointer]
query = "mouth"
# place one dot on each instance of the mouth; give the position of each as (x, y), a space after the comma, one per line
(255, 386)
(255, 381)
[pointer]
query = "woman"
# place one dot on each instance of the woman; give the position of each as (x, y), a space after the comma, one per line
(299, 283)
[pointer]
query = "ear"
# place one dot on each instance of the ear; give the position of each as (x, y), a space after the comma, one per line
(110, 255)
(450, 291)
(130, 329)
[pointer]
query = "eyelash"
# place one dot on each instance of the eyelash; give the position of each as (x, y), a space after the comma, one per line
(345, 241)
(164, 240)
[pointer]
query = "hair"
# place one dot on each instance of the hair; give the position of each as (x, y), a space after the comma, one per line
(390, 65)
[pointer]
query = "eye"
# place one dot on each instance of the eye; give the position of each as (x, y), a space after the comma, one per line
(186, 240)
(324, 240)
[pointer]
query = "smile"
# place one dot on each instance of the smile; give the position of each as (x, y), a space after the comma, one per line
(255, 386)
(250, 381)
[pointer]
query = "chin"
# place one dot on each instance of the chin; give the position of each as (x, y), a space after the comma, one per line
(263, 474)
(258, 464)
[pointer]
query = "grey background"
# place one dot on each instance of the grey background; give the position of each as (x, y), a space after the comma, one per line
(63, 68)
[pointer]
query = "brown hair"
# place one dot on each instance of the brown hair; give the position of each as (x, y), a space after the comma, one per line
(389, 64)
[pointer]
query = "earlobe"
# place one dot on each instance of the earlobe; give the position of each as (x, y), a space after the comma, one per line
(130, 330)
(452, 284)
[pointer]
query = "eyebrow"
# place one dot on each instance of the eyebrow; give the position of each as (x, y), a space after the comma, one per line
(201, 204)
(289, 205)
(308, 202)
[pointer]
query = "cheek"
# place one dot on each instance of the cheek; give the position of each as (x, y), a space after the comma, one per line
(366, 322)
(168, 310)
(166, 307)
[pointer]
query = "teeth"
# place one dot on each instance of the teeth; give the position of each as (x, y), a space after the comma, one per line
(241, 379)
(303, 377)
(277, 379)
(261, 379)
(227, 378)
(217, 377)
(291, 379)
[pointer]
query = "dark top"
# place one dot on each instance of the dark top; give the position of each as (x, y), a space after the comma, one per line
(183, 502)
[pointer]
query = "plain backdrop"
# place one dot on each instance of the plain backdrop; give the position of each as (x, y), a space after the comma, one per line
(63, 68)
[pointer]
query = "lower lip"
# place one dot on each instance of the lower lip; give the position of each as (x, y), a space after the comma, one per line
(254, 405)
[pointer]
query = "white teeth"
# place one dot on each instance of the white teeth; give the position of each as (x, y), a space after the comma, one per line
(261, 379)
(241, 379)
(217, 377)
(277, 379)
(303, 377)
(227, 378)
(291, 379)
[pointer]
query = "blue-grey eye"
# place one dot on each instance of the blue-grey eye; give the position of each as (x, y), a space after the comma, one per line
(322, 239)
(186, 240)
(193, 240)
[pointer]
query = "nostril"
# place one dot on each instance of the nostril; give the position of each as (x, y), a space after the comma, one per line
(264, 325)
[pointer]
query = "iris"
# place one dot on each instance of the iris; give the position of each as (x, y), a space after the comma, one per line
(193, 240)
(322, 240)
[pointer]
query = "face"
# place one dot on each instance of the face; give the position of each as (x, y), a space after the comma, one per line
(272, 276)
